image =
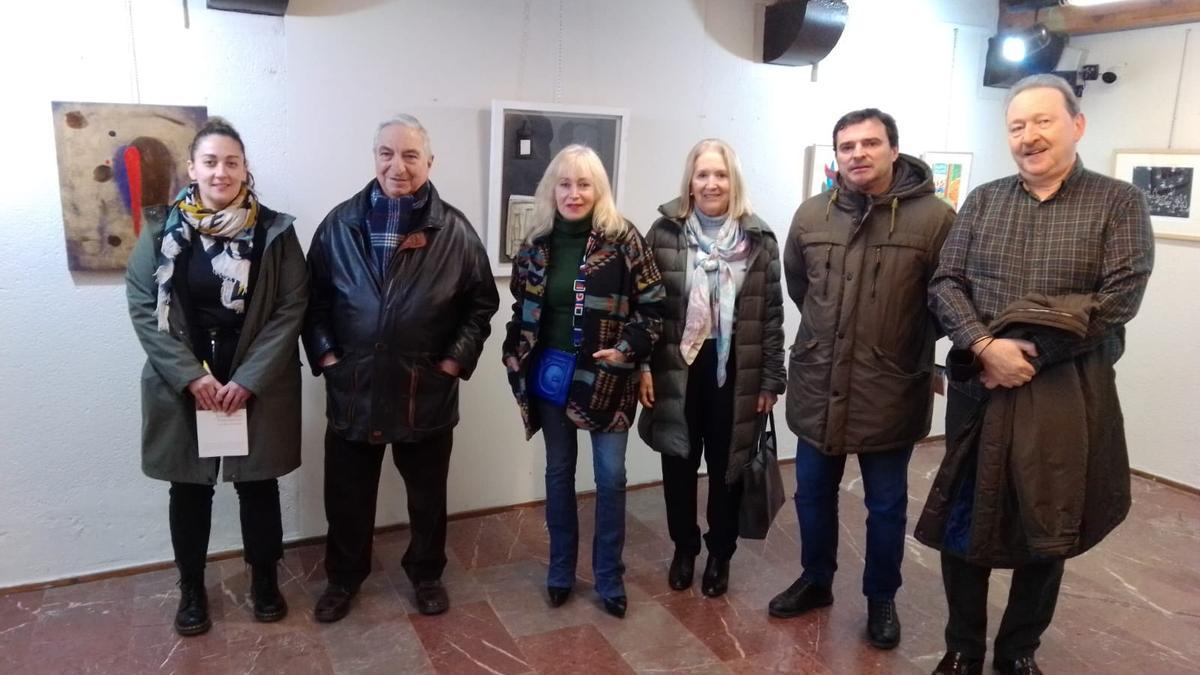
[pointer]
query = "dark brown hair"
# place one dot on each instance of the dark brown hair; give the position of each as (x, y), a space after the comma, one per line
(888, 122)
(219, 126)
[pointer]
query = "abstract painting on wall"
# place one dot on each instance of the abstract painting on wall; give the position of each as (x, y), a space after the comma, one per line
(113, 160)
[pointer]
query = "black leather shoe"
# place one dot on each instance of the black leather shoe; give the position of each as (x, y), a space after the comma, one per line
(616, 606)
(715, 581)
(1024, 665)
(957, 663)
(800, 597)
(431, 597)
(883, 624)
(683, 568)
(558, 595)
(334, 603)
(269, 604)
(192, 616)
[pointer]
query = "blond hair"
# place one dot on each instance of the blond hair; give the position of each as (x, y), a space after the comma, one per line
(605, 217)
(739, 203)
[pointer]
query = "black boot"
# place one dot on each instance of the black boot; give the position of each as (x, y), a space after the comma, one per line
(883, 624)
(192, 616)
(683, 568)
(715, 581)
(269, 604)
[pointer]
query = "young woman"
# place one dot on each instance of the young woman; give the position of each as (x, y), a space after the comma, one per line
(217, 289)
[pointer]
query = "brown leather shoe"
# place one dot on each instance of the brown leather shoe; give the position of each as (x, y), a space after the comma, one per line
(431, 597)
(957, 663)
(1023, 665)
(334, 603)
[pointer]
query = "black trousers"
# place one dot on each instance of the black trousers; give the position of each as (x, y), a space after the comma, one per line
(191, 520)
(1031, 599)
(1031, 602)
(352, 471)
(709, 413)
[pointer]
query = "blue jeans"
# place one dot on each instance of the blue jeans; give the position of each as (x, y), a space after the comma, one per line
(562, 521)
(885, 484)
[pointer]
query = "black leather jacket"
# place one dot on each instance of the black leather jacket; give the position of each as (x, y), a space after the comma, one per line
(390, 331)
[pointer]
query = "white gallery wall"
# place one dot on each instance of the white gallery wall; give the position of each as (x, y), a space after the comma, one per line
(306, 91)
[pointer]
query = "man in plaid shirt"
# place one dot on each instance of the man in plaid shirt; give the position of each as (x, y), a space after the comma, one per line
(1054, 228)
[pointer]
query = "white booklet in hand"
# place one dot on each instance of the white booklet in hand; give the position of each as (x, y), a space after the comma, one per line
(222, 435)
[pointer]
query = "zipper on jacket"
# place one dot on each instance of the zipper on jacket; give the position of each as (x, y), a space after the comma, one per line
(353, 394)
(412, 398)
(828, 266)
(878, 264)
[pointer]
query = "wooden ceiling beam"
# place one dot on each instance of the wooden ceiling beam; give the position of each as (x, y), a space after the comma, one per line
(1105, 18)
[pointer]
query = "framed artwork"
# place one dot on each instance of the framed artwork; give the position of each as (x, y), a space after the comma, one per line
(525, 137)
(113, 160)
(1170, 179)
(821, 171)
(951, 175)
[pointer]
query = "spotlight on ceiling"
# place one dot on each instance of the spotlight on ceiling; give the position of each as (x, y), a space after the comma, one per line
(1017, 46)
(1011, 56)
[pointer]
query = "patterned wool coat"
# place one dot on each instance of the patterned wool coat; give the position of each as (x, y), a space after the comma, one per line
(622, 310)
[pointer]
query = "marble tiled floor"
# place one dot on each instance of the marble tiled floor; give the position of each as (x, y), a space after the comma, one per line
(1130, 606)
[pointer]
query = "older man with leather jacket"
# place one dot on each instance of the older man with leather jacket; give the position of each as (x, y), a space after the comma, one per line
(402, 299)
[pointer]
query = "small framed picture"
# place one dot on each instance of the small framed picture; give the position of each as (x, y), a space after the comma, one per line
(525, 137)
(951, 175)
(1170, 179)
(821, 170)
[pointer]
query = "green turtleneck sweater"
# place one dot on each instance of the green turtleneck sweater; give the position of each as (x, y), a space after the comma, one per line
(567, 243)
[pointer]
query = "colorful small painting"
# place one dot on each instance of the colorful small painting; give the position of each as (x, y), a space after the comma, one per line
(822, 170)
(113, 160)
(951, 173)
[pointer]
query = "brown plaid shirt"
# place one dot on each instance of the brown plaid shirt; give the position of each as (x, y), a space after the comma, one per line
(1092, 236)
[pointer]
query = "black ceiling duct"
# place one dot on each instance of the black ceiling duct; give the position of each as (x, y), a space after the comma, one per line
(1022, 5)
(272, 7)
(802, 32)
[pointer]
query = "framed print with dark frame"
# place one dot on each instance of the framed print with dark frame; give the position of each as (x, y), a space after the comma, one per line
(525, 137)
(1170, 179)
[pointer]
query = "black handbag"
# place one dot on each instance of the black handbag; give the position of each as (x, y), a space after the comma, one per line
(762, 484)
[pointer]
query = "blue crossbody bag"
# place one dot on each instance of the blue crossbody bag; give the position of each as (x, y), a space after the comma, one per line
(554, 368)
(552, 373)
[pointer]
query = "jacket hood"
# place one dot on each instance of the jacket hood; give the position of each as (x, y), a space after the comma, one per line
(750, 222)
(911, 178)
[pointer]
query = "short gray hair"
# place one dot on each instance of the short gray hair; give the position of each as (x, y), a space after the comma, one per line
(1044, 81)
(404, 120)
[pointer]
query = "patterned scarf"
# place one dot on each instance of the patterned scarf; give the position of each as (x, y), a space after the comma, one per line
(390, 219)
(231, 228)
(710, 304)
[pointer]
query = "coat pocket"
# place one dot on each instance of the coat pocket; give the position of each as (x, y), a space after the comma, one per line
(341, 391)
(889, 404)
(433, 397)
(808, 390)
(614, 387)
